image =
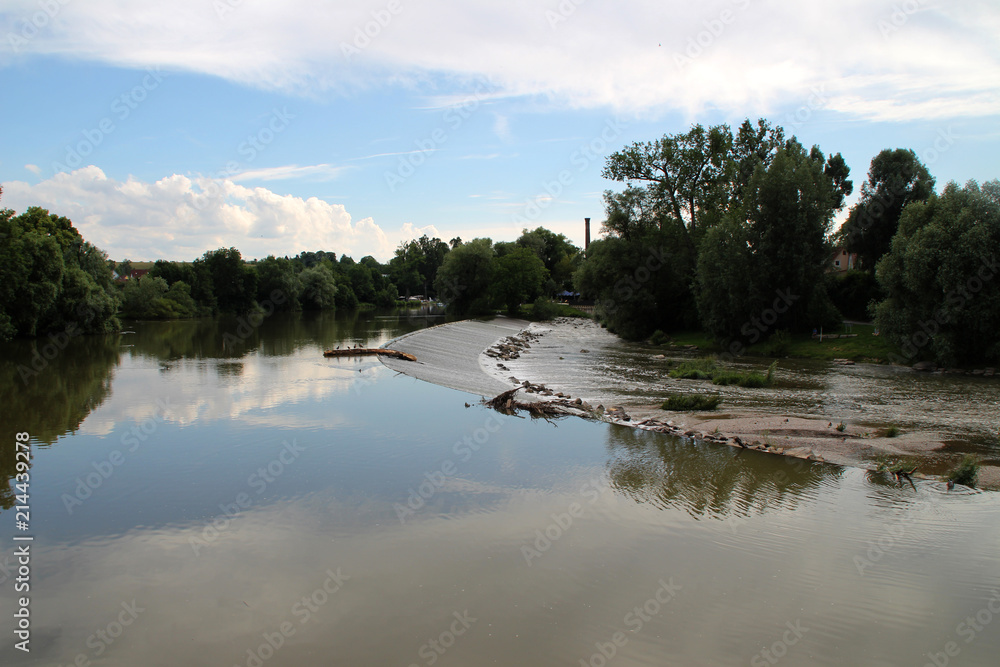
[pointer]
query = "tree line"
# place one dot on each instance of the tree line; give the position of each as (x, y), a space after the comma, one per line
(52, 280)
(731, 233)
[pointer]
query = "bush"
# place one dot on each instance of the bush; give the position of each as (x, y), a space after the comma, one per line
(966, 472)
(892, 432)
(686, 402)
(699, 369)
(543, 309)
(658, 338)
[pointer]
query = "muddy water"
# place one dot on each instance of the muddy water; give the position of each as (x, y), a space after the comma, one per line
(272, 507)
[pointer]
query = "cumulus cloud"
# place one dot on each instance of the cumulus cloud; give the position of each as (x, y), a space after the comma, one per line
(179, 218)
(881, 59)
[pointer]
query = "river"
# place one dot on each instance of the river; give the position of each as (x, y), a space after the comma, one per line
(209, 493)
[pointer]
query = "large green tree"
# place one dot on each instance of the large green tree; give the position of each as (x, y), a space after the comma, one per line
(518, 277)
(895, 179)
(51, 278)
(762, 269)
(463, 281)
(942, 278)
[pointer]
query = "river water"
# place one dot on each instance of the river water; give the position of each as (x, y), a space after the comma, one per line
(200, 496)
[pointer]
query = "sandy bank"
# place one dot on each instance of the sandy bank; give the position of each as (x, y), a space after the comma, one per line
(565, 360)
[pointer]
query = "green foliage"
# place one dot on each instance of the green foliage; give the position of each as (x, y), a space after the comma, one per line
(544, 309)
(892, 432)
(51, 279)
(698, 369)
(464, 278)
(841, 427)
(319, 289)
(940, 278)
(234, 284)
(895, 179)
(853, 293)
(691, 402)
(415, 265)
(517, 277)
(777, 236)
(966, 472)
(658, 338)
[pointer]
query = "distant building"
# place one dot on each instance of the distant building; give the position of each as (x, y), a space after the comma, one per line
(843, 261)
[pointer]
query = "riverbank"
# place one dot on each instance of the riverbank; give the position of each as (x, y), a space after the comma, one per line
(592, 373)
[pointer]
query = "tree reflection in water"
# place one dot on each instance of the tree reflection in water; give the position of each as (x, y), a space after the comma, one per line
(709, 480)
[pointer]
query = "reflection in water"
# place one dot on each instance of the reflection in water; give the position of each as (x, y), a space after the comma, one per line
(49, 398)
(708, 480)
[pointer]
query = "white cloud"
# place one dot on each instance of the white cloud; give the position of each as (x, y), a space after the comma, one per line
(33, 168)
(321, 172)
(179, 218)
(883, 59)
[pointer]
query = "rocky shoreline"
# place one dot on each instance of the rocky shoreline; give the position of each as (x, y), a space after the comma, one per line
(811, 439)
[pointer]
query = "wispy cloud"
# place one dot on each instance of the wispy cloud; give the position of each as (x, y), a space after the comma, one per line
(936, 62)
(33, 168)
(323, 172)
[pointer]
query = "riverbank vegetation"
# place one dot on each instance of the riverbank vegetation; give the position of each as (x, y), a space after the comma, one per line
(729, 234)
(52, 281)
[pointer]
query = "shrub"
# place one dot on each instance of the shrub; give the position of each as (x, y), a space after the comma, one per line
(966, 472)
(698, 369)
(685, 402)
(658, 338)
(543, 309)
(779, 343)
(892, 432)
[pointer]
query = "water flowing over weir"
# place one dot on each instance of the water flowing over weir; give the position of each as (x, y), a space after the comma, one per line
(280, 508)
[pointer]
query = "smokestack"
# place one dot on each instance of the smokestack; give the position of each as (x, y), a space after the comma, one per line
(586, 233)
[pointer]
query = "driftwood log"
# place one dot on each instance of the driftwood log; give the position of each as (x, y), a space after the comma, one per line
(359, 351)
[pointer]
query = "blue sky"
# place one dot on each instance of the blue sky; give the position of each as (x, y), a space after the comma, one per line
(167, 129)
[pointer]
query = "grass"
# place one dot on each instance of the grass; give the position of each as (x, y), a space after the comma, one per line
(706, 369)
(698, 369)
(841, 427)
(864, 347)
(966, 472)
(892, 432)
(687, 402)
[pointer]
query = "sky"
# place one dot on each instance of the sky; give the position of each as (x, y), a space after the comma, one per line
(164, 130)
